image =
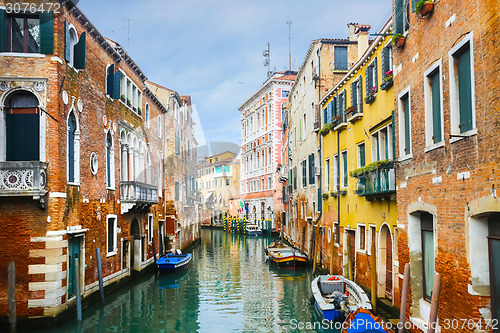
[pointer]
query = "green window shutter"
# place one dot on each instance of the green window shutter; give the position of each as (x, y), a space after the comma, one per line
(311, 169)
(47, 32)
(397, 6)
(177, 146)
(362, 161)
(359, 91)
(464, 89)
(325, 115)
(331, 110)
(393, 122)
(344, 169)
(385, 61)
(3, 30)
(80, 51)
(436, 106)
(344, 102)
(320, 200)
(117, 85)
(67, 42)
(110, 77)
(406, 105)
(368, 79)
(375, 74)
(353, 94)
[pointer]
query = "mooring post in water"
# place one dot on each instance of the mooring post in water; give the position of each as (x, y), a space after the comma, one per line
(404, 296)
(99, 274)
(349, 259)
(77, 286)
(315, 262)
(154, 248)
(373, 274)
(434, 304)
(12, 296)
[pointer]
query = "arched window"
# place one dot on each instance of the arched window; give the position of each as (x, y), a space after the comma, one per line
(22, 122)
(109, 160)
(71, 148)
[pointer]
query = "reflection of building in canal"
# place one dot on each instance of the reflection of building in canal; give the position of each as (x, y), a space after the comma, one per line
(133, 309)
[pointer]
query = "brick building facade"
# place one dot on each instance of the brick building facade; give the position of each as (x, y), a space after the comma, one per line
(447, 127)
(81, 161)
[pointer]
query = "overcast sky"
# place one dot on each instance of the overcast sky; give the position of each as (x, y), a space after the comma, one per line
(212, 49)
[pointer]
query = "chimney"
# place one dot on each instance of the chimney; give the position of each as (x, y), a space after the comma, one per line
(351, 28)
(362, 31)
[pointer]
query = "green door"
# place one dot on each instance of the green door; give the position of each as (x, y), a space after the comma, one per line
(73, 252)
(494, 254)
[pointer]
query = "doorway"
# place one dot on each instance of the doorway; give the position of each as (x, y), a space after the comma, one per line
(135, 244)
(494, 255)
(386, 260)
(74, 252)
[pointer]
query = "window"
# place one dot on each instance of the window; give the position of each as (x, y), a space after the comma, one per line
(109, 161)
(147, 115)
(27, 33)
(371, 238)
(295, 178)
(227, 168)
(150, 228)
(427, 232)
(73, 149)
(327, 175)
(462, 87)
(382, 147)
(176, 194)
(311, 169)
(340, 58)
(387, 60)
(336, 176)
(433, 105)
(112, 234)
(371, 78)
(494, 262)
(303, 127)
(22, 126)
(218, 169)
(159, 126)
(74, 51)
(270, 183)
(357, 95)
(131, 95)
(113, 82)
(341, 106)
(304, 173)
(361, 155)
(344, 175)
(284, 93)
(177, 145)
(401, 13)
(404, 123)
(361, 234)
(228, 182)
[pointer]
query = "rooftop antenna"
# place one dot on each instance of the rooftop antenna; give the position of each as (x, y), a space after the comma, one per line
(289, 22)
(267, 59)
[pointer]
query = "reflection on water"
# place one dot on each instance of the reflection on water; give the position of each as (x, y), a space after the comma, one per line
(228, 288)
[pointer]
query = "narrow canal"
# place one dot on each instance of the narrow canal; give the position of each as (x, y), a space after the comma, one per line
(228, 288)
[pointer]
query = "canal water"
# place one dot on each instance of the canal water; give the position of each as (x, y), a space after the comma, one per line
(229, 287)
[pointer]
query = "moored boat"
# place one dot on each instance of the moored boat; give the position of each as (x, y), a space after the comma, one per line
(285, 256)
(253, 230)
(173, 262)
(335, 297)
(363, 321)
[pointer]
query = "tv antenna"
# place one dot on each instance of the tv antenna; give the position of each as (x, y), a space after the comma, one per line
(267, 59)
(289, 22)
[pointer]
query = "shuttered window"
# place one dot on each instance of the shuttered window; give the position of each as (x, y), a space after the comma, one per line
(340, 58)
(71, 147)
(361, 155)
(435, 105)
(22, 121)
(397, 6)
(75, 47)
(344, 177)
(110, 78)
(33, 33)
(304, 173)
(405, 104)
(311, 169)
(464, 88)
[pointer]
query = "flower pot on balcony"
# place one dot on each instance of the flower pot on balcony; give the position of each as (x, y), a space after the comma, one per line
(424, 8)
(400, 42)
(388, 82)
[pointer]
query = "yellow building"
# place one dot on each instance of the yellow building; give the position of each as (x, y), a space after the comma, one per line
(359, 188)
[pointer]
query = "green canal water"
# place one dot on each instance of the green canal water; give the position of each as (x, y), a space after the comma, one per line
(228, 288)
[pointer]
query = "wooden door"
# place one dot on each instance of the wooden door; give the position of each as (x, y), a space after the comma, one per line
(73, 252)
(388, 264)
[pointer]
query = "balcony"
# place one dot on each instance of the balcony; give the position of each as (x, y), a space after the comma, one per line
(379, 182)
(283, 174)
(137, 196)
(354, 114)
(340, 122)
(19, 179)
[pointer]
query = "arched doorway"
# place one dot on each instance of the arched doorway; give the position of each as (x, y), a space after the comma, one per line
(385, 272)
(135, 244)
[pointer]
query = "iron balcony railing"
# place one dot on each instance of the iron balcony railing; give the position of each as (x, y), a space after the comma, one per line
(381, 181)
(132, 191)
(23, 178)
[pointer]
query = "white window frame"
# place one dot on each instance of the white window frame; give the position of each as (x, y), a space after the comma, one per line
(147, 115)
(358, 238)
(336, 174)
(379, 146)
(358, 156)
(369, 238)
(76, 160)
(401, 134)
(115, 236)
(327, 175)
(110, 167)
(150, 228)
(342, 154)
(454, 108)
(429, 124)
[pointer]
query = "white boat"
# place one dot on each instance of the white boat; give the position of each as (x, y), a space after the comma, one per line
(335, 297)
(253, 230)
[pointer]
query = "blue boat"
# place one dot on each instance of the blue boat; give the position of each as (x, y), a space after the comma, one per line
(363, 321)
(335, 297)
(173, 262)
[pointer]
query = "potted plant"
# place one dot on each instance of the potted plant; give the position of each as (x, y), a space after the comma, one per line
(388, 81)
(122, 97)
(128, 102)
(424, 7)
(398, 40)
(371, 96)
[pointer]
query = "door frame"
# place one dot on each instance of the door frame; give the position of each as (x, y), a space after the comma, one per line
(74, 236)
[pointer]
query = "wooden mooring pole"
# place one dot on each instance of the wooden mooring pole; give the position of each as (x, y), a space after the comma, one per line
(404, 298)
(77, 282)
(12, 296)
(99, 274)
(436, 290)
(373, 274)
(154, 248)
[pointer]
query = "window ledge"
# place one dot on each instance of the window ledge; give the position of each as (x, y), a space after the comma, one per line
(22, 55)
(472, 132)
(74, 183)
(434, 146)
(406, 157)
(110, 254)
(110, 188)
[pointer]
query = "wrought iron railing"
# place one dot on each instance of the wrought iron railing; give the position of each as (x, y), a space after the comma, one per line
(132, 191)
(381, 181)
(23, 178)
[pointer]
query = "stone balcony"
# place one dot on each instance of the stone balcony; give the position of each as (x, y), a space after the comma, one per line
(378, 184)
(23, 179)
(137, 196)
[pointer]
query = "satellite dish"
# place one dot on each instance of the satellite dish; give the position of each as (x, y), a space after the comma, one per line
(266, 62)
